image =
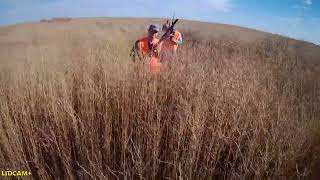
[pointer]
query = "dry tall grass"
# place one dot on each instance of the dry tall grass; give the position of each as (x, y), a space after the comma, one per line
(221, 109)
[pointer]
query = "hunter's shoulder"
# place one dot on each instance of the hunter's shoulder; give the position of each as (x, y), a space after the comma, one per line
(143, 39)
(177, 32)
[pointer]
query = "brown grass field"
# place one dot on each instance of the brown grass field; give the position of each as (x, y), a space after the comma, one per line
(234, 104)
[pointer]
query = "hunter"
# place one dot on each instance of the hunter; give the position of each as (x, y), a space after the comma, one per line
(172, 42)
(148, 48)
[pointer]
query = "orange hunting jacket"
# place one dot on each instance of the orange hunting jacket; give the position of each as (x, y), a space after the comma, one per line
(145, 49)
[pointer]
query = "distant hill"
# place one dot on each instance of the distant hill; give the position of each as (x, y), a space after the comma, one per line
(124, 31)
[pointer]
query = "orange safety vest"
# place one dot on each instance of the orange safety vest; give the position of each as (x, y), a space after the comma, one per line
(168, 44)
(145, 48)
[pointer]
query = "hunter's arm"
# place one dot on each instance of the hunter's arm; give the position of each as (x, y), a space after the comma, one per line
(138, 50)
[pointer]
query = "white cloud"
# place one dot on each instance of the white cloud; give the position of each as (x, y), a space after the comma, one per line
(202, 5)
(307, 2)
(221, 5)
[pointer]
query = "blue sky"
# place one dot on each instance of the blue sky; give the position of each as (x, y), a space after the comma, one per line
(299, 19)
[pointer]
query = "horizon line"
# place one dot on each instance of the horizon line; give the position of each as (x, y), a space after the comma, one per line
(150, 17)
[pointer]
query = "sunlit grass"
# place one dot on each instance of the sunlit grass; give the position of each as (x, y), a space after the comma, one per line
(221, 109)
